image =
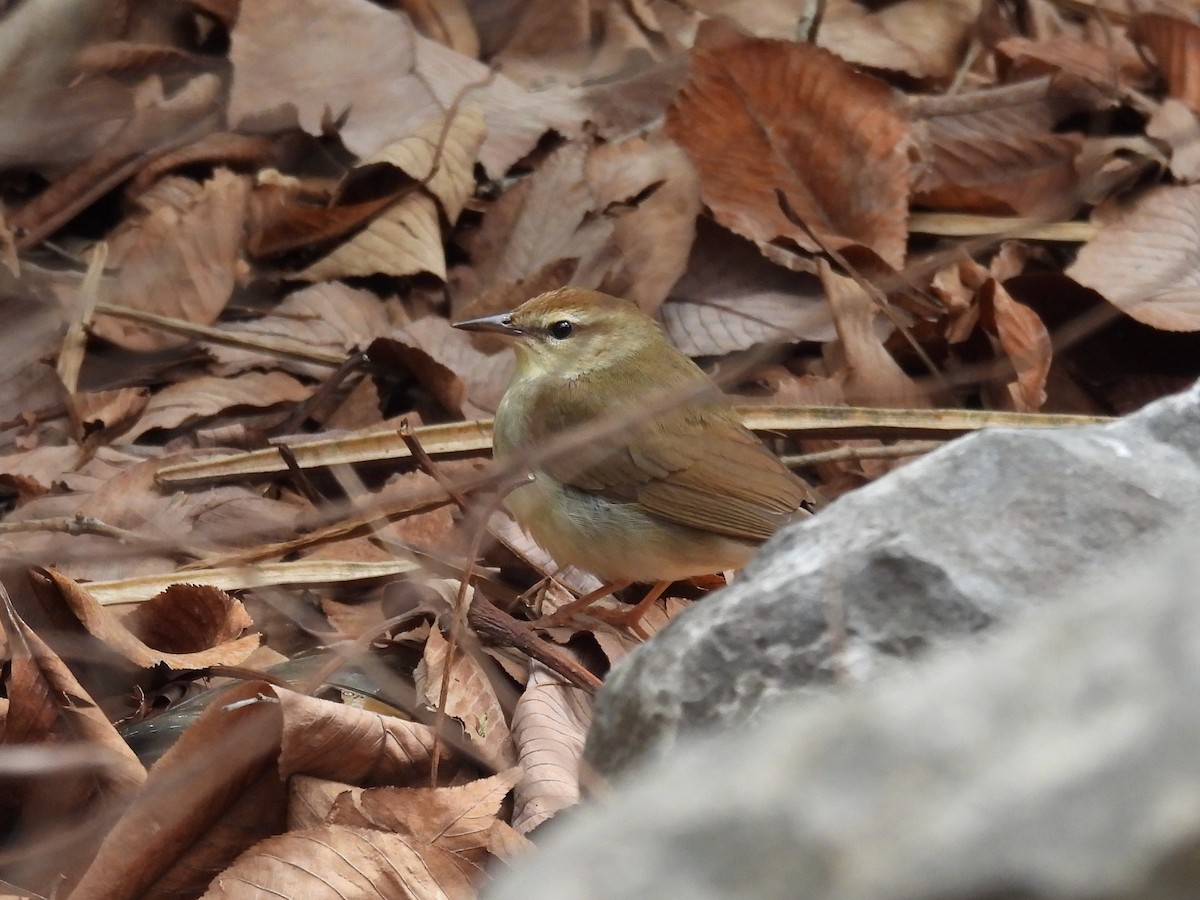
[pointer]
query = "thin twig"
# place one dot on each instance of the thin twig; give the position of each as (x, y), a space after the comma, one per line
(844, 454)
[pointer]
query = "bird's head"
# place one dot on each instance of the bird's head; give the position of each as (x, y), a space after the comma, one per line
(571, 331)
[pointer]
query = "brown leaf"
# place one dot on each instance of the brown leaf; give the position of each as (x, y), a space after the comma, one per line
(186, 627)
(655, 235)
(616, 645)
(870, 375)
(215, 764)
(94, 412)
(343, 743)
(458, 819)
(758, 116)
(470, 697)
(406, 238)
(47, 706)
(539, 221)
(993, 150)
(549, 725)
(254, 732)
(178, 259)
(335, 862)
(923, 38)
(1175, 43)
(1026, 342)
(1107, 61)
(731, 298)
(461, 378)
(189, 401)
(1145, 259)
(331, 317)
(392, 81)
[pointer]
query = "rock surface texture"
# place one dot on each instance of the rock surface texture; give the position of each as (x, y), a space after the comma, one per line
(985, 528)
(1062, 762)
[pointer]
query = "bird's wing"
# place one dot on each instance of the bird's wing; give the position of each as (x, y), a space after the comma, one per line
(702, 469)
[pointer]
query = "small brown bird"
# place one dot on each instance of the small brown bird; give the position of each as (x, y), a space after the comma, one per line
(681, 492)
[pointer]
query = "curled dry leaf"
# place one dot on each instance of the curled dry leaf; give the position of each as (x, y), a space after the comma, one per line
(186, 627)
(470, 697)
(46, 705)
(758, 116)
(106, 412)
(220, 760)
(1025, 341)
(406, 239)
(1107, 61)
(199, 398)
(1145, 260)
(344, 743)
(461, 378)
(253, 733)
(616, 645)
(334, 862)
(549, 726)
(178, 259)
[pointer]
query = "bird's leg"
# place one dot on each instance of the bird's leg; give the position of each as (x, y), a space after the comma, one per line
(534, 597)
(633, 618)
(565, 613)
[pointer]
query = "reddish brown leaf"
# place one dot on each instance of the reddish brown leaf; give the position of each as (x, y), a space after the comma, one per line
(1025, 341)
(47, 706)
(870, 376)
(994, 151)
(1175, 43)
(758, 116)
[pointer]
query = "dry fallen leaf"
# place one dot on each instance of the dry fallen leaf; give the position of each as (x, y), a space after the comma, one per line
(548, 726)
(406, 238)
(758, 116)
(190, 401)
(1146, 258)
(185, 627)
(334, 862)
(470, 697)
(178, 259)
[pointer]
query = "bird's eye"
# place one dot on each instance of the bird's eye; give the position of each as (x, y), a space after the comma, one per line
(561, 329)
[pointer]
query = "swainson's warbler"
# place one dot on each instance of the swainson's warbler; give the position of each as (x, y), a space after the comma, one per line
(682, 491)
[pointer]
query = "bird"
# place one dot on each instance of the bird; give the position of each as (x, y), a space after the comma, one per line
(683, 489)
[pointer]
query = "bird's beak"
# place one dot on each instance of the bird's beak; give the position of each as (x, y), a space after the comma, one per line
(497, 324)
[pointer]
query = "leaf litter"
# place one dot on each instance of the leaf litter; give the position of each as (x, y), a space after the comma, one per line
(243, 456)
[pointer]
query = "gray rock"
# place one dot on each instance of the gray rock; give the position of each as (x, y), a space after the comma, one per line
(1063, 762)
(985, 527)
